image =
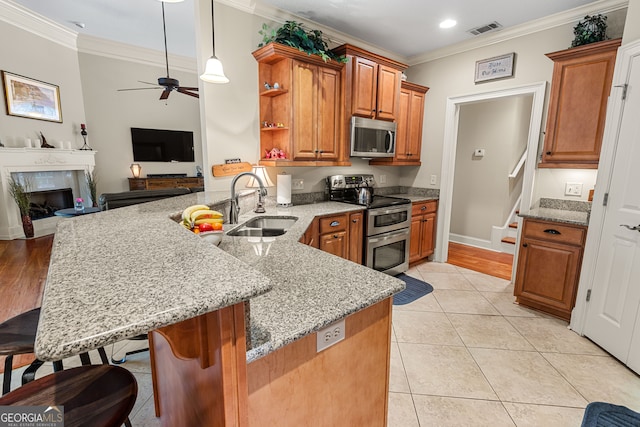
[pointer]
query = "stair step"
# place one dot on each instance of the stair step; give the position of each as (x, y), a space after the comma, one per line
(510, 240)
(513, 225)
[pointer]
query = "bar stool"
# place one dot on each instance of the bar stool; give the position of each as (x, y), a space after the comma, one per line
(92, 396)
(17, 336)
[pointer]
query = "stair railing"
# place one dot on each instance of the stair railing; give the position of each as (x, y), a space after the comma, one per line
(519, 166)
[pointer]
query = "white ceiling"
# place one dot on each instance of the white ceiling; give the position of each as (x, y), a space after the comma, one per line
(405, 27)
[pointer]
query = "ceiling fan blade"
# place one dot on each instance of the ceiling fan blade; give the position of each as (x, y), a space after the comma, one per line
(189, 88)
(139, 88)
(148, 83)
(165, 94)
(186, 92)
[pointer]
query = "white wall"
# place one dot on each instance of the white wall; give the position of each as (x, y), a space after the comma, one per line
(482, 193)
(632, 25)
(110, 115)
(454, 75)
(26, 54)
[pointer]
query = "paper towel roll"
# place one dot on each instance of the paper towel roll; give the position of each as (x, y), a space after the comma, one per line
(283, 189)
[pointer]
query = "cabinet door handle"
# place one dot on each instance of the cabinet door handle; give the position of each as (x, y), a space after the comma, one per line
(335, 236)
(423, 208)
(636, 228)
(548, 153)
(354, 220)
(552, 231)
(524, 245)
(334, 223)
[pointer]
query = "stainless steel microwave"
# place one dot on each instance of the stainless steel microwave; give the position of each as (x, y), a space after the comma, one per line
(372, 138)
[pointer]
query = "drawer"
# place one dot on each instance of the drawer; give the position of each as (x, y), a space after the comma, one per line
(554, 232)
(329, 224)
(420, 208)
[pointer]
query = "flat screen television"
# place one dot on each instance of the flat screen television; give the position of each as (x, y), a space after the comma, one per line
(159, 145)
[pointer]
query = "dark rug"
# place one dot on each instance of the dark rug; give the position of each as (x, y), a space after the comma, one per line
(415, 289)
(601, 414)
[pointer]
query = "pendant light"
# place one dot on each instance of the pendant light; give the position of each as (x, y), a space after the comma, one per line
(213, 72)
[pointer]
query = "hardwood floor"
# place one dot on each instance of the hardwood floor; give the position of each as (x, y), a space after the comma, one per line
(496, 264)
(23, 271)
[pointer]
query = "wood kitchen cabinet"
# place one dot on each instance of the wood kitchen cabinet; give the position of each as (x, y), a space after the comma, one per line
(578, 104)
(423, 226)
(372, 84)
(548, 266)
(163, 183)
(304, 116)
(409, 131)
(340, 234)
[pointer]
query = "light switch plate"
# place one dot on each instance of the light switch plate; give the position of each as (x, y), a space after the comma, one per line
(433, 180)
(573, 189)
(297, 184)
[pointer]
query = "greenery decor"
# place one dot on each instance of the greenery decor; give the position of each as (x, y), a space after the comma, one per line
(592, 29)
(92, 183)
(293, 34)
(20, 194)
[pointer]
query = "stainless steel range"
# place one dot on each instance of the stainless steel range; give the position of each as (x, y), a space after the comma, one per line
(388, 220)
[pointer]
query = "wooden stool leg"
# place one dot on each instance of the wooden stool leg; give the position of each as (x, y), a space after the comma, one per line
(85, 359)
(6, 381)
(30, 373)
(57, 366)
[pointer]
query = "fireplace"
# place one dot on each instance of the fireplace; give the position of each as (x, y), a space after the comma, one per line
(44, 204)
(55, 176)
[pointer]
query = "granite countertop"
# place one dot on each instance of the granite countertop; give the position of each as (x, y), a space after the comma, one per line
(124, 272)
(563, 211)
(415, 197)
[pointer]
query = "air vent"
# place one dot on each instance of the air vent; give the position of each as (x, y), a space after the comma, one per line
(485, 28)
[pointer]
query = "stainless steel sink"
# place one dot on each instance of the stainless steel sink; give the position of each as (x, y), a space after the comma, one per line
(264, 226)
(281, 222)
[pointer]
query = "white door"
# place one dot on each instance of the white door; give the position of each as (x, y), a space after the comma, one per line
(613, 311)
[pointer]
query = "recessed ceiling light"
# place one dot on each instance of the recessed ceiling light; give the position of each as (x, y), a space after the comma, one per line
(448, 23)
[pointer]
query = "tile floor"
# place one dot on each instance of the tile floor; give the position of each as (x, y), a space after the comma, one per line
(466, 355)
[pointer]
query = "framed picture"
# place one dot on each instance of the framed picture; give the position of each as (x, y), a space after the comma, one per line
(31, 98)
(498, 67)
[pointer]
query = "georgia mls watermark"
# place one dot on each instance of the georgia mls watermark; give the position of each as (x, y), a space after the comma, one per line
(31, 416)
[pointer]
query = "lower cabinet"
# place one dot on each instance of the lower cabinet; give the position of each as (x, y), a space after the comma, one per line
(548, 267)
(340, 235)
(423, 227)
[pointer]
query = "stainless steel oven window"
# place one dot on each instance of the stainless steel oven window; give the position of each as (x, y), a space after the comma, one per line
(389, 252)
(383, 220)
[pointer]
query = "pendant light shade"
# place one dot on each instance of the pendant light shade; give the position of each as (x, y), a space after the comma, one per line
(213, 72)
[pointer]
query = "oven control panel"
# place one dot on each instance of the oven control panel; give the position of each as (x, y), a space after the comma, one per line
(350, 181)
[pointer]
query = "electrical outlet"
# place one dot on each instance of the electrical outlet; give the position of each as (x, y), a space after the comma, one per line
(383, 179)
(297, 184)
(573, 189)
(330, 335)
(433, 179)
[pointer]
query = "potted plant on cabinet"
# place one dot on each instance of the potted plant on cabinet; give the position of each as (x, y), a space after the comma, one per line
(293, 34)
(590, 30)
(20, 194)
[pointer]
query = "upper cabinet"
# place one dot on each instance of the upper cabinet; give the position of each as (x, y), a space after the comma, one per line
(409, 131)
(372, 84)
(304, 116)
(577, 106)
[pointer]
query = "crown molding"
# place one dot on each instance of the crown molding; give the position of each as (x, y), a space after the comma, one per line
(567, 17)
(126, 52)
(25, 19)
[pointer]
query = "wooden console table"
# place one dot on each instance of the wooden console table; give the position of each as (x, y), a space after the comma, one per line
(166, 182)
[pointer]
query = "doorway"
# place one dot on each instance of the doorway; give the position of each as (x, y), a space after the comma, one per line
(452, 120)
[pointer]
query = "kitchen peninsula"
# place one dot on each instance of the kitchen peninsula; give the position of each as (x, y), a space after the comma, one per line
(120, 273)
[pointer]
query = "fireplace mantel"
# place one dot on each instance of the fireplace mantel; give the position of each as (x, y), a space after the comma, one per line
(29, 160)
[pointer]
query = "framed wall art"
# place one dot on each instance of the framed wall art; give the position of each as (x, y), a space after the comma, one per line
(31, 98)
(498, 67)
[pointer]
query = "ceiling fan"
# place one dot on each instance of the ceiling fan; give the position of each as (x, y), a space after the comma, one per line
(167, 83)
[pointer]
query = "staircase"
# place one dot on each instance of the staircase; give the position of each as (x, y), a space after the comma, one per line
(503, 238)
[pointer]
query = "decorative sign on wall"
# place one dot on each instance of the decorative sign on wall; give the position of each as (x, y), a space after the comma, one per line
(229, 169)
(31, 98)
(498, 67)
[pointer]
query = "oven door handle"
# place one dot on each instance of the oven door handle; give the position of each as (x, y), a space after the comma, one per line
(389, 236)
(376, 212)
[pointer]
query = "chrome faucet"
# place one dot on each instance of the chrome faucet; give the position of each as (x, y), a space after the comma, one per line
(235, 208)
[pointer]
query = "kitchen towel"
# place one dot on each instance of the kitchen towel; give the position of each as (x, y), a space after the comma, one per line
(283, 189)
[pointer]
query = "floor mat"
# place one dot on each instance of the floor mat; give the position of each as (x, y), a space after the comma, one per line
(415, 289)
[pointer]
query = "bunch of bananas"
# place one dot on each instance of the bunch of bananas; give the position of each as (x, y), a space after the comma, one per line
(199, 218)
